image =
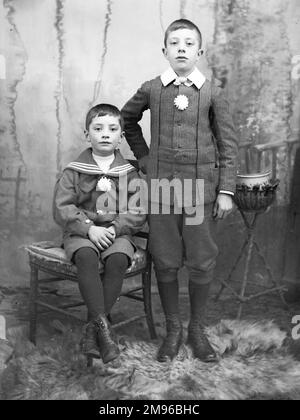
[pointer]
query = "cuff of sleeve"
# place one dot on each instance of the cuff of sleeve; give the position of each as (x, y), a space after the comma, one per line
(87, 223)
(116, 225)
(226, 192)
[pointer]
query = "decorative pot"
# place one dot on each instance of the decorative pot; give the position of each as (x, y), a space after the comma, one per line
(252, 180)
(256, 198)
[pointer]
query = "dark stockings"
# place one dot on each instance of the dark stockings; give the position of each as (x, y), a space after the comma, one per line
(99, 298)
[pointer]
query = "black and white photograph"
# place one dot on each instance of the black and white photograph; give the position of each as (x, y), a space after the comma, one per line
(149, 202)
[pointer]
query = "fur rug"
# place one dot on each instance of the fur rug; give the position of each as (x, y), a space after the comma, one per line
(255, 363)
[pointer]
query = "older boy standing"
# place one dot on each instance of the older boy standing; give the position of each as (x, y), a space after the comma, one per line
(192, 137)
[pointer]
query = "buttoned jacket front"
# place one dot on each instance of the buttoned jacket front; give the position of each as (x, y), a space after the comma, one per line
(201, 147)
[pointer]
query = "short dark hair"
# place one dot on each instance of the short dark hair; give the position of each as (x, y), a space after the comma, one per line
(182, 24)
(100, 110)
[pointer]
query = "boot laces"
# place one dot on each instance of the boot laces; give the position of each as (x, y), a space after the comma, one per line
(105, 331)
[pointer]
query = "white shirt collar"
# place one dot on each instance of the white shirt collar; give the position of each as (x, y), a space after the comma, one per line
(196, 77)
(104, 162)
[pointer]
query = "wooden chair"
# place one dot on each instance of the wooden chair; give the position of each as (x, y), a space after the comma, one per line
(49, 258)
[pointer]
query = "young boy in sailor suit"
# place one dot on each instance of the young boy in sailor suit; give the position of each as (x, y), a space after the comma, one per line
(192, 137)
(92, 226)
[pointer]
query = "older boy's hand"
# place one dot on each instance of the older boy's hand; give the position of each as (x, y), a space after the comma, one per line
(223, 206)
(101, 237)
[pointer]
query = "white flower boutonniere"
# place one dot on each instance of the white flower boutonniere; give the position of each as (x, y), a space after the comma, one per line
(181, 102)
(104, 184)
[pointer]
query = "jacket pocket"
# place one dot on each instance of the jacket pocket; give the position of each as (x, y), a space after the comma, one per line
(209, 172)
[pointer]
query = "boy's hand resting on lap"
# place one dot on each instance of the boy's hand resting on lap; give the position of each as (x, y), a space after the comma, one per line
(223, 206)
(102, 237)
(112, 230)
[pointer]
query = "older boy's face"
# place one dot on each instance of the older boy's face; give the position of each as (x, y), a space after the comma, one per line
(182, 50)
(105, 134)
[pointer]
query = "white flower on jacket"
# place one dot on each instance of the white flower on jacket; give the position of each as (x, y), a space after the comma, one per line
(181, 102)
(104, 184)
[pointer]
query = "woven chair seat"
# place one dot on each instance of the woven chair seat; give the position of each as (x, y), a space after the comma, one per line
(52, 257)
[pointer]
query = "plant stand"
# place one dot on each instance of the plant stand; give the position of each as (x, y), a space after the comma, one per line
(249, 246)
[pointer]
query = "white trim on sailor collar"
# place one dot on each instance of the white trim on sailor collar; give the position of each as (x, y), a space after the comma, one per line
(196, 77)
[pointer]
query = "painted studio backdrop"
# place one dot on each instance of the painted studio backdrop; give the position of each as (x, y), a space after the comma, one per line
(59, 57)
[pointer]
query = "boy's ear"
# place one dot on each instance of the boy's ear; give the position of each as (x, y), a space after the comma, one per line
(122, 137)
(200, 52)
(86, 133)
(164, 51)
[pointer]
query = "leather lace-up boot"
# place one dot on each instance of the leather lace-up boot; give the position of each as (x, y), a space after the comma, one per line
(199, 343)
(173, 340)
(89, 342)
(108, 347)
(197, 339)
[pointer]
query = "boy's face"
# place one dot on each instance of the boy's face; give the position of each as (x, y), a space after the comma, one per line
(183, 50)
(105, 134)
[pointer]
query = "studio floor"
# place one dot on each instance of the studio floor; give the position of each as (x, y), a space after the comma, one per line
(52, 328)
